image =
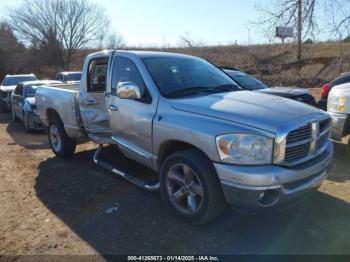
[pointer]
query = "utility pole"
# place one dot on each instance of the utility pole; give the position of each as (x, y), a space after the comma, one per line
(248, 29)
(299, 28)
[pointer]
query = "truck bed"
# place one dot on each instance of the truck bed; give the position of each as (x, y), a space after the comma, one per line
(63, 100)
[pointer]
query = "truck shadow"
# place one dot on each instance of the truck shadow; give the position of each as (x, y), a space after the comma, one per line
(32, 140)
(115, 217)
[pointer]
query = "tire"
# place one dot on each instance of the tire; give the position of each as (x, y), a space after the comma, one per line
(201, 193)
(26, 124)
(61, 144)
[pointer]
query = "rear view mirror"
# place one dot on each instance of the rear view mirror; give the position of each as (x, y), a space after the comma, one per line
(128, 90)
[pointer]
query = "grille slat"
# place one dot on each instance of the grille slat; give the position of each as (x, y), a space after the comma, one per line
(298, 143)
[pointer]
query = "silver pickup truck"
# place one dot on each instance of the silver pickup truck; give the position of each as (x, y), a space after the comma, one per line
(210, 142)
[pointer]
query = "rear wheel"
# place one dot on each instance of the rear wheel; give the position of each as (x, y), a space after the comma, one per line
(61, 144)
(189, 185)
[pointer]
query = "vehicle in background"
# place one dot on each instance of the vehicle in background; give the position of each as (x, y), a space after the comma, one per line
(8, 84)
(339, 109)
(69, 77)
(23, 103)
(326, 88)
(209, 142)
(249, 82)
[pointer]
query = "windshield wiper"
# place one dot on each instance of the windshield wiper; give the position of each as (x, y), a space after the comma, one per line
(224, 88)
(203, 90)
(187, 91)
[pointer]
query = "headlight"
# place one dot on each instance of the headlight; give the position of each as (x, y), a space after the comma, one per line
(245, 149)
(336, 104)
(341, 104)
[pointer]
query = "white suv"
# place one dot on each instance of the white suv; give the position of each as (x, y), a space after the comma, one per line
(9, 84)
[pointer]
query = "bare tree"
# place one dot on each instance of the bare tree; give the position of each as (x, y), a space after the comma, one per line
(299, 14)
(66, 25)
(340, 24)
(186, 40)
(305, 16)
(115, 41)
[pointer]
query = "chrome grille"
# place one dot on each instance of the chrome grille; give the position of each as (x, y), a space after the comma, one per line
(303, 143)
(298, 143)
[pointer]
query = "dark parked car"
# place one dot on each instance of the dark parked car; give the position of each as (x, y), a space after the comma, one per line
(23, 104)
(249, 82)
(326, 88)
(69, 77)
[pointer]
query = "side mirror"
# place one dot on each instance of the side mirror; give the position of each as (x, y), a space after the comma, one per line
(128, 90)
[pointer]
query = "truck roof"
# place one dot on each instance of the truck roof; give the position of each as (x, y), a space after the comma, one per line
(143, 53)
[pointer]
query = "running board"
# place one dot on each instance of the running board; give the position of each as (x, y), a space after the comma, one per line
(132, 179)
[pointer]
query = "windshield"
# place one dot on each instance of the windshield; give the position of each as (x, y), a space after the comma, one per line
(181, 76)
(72, 77)
(248, 82)
(11, 81)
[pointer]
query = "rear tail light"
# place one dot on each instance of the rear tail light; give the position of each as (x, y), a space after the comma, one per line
(325, 90)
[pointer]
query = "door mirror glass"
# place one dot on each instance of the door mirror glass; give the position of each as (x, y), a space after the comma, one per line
(128, 90)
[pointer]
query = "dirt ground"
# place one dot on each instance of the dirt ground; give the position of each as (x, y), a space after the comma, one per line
(54, 206)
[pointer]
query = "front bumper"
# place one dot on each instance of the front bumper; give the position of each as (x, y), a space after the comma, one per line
(256, 187)
(340, 125)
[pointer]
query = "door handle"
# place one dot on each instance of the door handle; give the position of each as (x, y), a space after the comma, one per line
(90, 102)
(113, 107)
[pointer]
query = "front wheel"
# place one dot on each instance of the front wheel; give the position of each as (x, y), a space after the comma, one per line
(190, 186)
(61, 144)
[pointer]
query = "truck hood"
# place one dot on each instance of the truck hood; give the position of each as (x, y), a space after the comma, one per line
(247, 108)
(284, 91)
(7, 88)
(31, 100)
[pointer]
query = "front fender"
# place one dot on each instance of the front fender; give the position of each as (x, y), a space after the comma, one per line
(193, 129)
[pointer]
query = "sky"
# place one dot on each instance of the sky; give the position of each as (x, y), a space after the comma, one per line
(162, 22)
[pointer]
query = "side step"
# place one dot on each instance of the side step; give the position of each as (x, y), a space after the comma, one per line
(132, 179)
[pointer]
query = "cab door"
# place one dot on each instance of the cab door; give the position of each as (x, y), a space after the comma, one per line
(131, 119)
(92, 97)
(17, 101)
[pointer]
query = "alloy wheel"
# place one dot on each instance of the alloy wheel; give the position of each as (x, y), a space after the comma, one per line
(55, 138)
(185, 190)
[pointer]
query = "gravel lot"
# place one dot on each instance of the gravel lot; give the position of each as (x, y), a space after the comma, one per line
(54, 206)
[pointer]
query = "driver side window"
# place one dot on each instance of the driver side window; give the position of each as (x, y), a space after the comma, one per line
(124, 70)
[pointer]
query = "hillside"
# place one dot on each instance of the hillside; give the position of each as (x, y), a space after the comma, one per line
(273, 63)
